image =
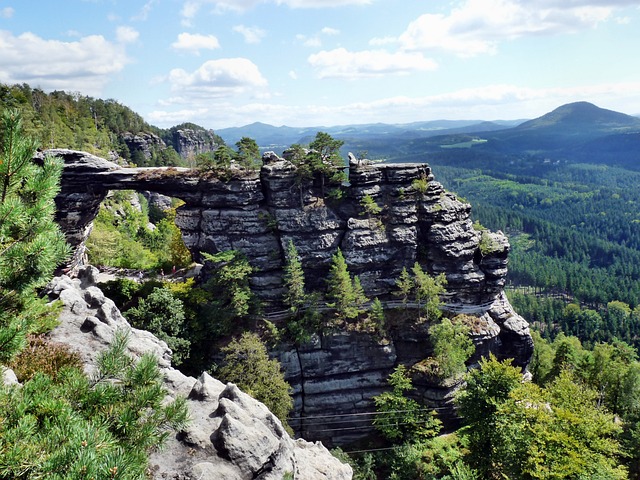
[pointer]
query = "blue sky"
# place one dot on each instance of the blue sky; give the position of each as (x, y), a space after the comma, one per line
(224, 63)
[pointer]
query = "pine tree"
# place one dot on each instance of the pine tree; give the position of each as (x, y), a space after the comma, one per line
(405, 285)
(305, 317)
(295, 296)
(326, 160)
(428, 290)
(359, 298)
(341, 294)
(399, 418)
(377, 316)
(31, 244)
(75, 426)
(248, 154)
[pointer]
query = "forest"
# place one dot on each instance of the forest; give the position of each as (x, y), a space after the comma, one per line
(574, 232)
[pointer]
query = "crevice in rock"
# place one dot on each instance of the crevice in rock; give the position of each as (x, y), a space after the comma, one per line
(301, 427)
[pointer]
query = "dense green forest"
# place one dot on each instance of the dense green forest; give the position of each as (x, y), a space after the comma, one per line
(102, 127)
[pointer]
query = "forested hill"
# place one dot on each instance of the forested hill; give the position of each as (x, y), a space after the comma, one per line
(103, 127)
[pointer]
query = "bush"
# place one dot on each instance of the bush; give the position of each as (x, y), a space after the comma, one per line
(43, 356)
(402, 419)
(162, 314)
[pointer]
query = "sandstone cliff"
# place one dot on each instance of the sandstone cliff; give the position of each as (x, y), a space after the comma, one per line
(231, 435)
(259, 212)
(189, 140)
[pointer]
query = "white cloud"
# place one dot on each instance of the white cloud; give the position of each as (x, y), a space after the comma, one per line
(162, 117)
(477, 26)
(490, 102)
(313, 42)
(194, 42)
(191, 7)
(250, 34)
(85, 65)
(341, 63)
(321, 3)
(382, 41)
(217, 78)
(145, 10)
(293, 75)
(127, 34)
(330, 31)
(7, 12)
(189, 11)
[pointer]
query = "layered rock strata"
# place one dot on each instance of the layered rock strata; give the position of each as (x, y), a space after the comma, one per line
(258, 213)
(231, 435)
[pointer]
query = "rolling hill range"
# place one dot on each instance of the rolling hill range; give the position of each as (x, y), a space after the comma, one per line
(375, 135)
(575, 132)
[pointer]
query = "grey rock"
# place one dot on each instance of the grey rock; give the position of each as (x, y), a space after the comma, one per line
(8, 377)
(189, 142)
(231, 435)
(143, 142)
(157, 200)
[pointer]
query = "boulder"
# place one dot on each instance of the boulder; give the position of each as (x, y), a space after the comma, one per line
(231, 435)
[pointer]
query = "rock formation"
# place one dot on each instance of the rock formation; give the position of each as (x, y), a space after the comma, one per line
(258, 213)
(189, 142)
(231, 435)
(144, 143)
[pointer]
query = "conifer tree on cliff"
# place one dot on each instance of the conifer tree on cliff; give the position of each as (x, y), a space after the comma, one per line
(326, 160)
(31, 244)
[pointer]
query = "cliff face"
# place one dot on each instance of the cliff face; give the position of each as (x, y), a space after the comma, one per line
(189, 142)
(259, 212)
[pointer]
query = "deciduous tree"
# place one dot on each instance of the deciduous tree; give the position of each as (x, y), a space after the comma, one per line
(247, 364)
(401, 418)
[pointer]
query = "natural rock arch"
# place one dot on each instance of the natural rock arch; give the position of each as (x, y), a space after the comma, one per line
(259, 212)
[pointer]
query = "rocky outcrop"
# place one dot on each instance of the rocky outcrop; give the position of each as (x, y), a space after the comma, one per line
(231, 436)
(143, 143)
(189, 142)
(258, 213)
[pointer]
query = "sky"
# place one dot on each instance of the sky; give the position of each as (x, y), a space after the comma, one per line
(228, 63)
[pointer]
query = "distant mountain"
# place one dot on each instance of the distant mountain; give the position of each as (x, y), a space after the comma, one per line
(582, 118)
(567, 126)
(357, 137)
(575, 132)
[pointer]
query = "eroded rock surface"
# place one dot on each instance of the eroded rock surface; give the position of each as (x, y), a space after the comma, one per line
(232, 436)
(258, 213)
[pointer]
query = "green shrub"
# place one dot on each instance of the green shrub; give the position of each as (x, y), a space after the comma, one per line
(400, 418)
(43, 356)
(487, 244)
(162, 314)
(420, 185)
